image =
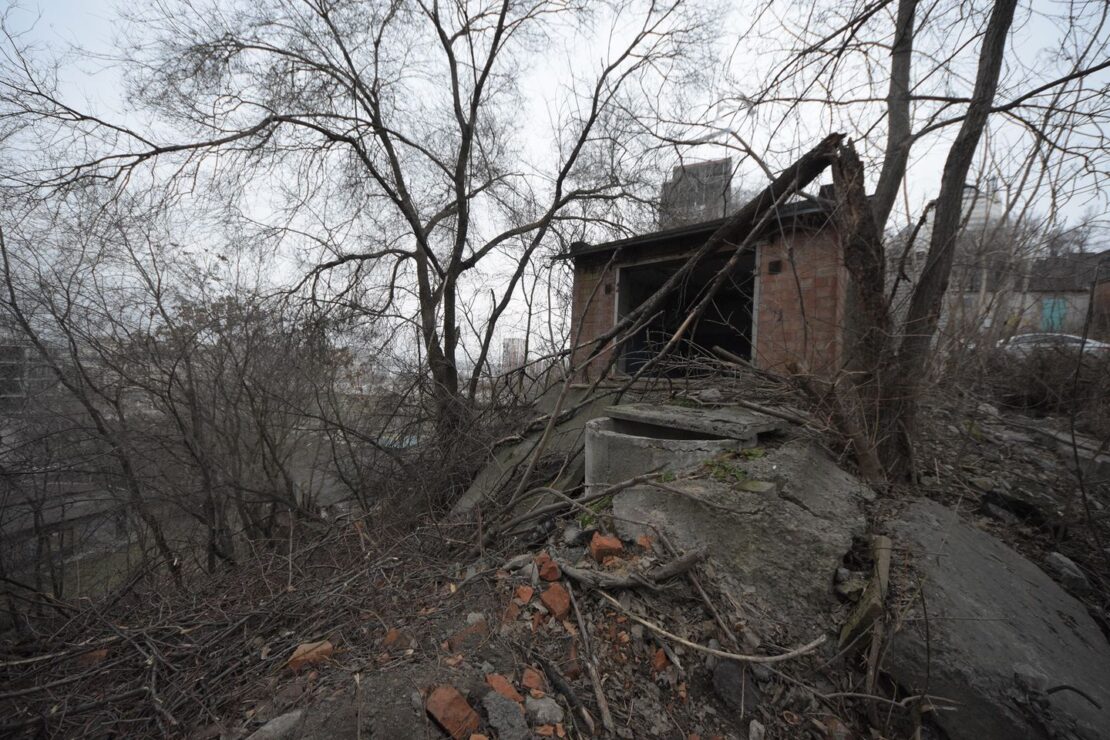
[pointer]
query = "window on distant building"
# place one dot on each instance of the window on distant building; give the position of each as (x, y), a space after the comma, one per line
(13, 371)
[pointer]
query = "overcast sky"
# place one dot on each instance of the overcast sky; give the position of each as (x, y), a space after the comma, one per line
(89, 24)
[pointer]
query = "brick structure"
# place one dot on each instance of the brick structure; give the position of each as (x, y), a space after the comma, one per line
(593, 309)
(801, 308)
(786, 305)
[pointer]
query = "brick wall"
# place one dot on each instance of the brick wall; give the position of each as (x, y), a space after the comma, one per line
(592, 309)
(800, 311)
(803, 327)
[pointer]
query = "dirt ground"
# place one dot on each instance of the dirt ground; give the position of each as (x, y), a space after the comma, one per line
(405, 612)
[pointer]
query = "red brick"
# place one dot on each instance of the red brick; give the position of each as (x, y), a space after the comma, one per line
(602, 546)
(511, 613)
(450, 709)
(469, 637)
(557, 600)
(549, 570)
(533, 679)
(503, 686)
(524, 594)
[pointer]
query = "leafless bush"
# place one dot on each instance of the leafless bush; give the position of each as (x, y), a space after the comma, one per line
(1053, 381)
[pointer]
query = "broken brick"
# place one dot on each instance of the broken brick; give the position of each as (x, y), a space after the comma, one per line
(604, 545)
(524, 594)
(450, 709)
(611, 561)
(557, 600)
(310, 653)
(532, 679)
(503, 686)
(548, 569)
(512, 611)
(572, 669)
(93, 657)
(469, 637)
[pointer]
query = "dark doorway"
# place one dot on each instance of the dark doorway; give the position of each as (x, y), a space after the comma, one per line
(727, 321)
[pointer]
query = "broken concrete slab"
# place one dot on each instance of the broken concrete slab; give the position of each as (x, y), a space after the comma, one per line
(775, 551)
(994, 618)
(1036, 507)
(723, 423)
(567, 440)
(617, 450)
(543, 710)
(1094, 459)
(285, 727)
(505, 716)
(1066, 571)
(565, 445)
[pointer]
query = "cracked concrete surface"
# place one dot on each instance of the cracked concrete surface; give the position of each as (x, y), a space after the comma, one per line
(776, 551)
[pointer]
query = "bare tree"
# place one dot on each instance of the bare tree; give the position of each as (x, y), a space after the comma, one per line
(895, 66)
(387, 131)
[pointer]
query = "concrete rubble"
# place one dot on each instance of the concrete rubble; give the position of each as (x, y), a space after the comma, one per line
(777, 550)
(998, 628)
(779, 534)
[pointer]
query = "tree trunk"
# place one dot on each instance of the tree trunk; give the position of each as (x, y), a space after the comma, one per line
(899, 135)
(905, 378)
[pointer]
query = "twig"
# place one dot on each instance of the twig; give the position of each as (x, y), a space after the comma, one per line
(692, 576)
(1069, 687)
(559, 506)
(678, 566)
(564, 688)
(796, 652)
(591, 666)
(904, 703)
(70, 711)
(599, 579)
(1083, 492)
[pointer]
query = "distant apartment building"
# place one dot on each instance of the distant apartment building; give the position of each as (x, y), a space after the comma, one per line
(1002, 281)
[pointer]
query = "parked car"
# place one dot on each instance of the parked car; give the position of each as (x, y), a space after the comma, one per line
(1026, 344)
